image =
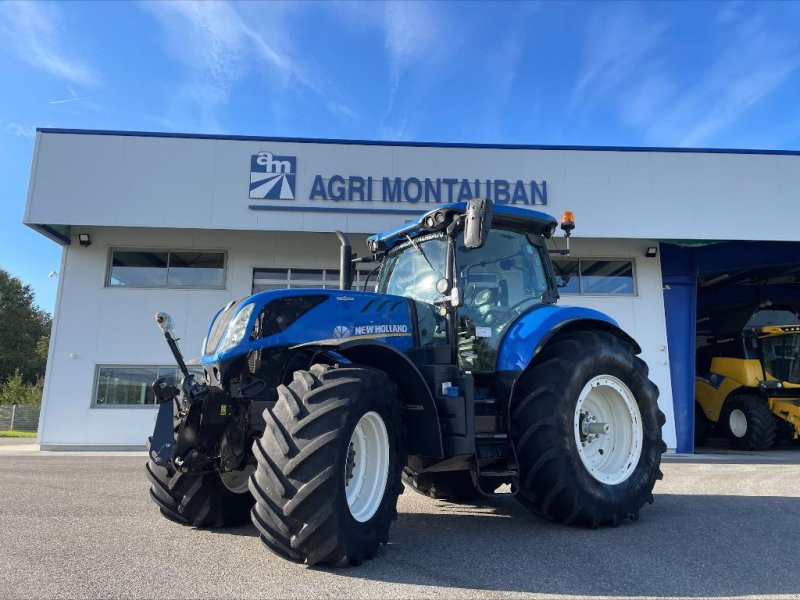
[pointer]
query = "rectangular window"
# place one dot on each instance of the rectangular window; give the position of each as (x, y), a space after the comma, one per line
(167, 269)
(281, 279)
(595, 277)
(130, 386)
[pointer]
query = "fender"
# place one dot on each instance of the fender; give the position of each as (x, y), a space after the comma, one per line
(525, 338)
(420, 415)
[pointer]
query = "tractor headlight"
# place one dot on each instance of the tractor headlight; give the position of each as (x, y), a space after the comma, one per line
(236, 330)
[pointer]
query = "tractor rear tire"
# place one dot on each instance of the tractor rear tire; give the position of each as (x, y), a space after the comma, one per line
(201, 500)
(565, 475)
(749, 422)
(451, 486)
(331, 428)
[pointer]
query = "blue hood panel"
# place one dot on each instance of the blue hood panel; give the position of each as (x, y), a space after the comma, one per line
(523, 338)
(343, 314)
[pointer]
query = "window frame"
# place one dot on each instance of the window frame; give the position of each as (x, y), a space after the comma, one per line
(99, 366)
(168, 250)
(580, 292)
(327, 284)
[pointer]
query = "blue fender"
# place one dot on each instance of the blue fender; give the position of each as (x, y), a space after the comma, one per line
(529, 333)
(420, 417)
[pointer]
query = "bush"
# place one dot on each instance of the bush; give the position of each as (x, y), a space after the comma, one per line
(16, 391)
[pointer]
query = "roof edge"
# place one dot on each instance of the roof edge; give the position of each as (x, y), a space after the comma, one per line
(420, 144)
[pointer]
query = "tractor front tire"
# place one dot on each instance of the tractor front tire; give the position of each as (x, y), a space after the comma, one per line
(749, 422)
(201, 500)
(329, 464)
(587, 431)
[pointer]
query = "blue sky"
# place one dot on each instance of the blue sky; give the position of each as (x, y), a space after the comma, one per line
(669, 74)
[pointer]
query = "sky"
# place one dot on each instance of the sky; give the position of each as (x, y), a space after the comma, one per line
(685, 74)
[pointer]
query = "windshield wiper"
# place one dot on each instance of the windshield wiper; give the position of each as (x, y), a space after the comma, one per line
(425, 256)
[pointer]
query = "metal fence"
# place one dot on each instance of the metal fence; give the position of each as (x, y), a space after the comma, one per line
(19, 418)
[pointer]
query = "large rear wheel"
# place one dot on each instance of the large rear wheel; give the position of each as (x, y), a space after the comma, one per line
(587, 431)
(329, 464)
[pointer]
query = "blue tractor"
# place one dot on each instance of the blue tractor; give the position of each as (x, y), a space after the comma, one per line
(459, 376)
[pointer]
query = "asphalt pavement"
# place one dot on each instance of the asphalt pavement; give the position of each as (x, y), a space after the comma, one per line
(75, 525)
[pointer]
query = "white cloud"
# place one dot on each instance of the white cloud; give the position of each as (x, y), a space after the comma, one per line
(219, 44)
(755, 62)
(35, 33)
(17, 129)
(412, 35)
(418, 39)
(617, 43)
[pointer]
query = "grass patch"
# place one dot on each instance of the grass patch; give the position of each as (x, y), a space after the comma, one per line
(17, 434)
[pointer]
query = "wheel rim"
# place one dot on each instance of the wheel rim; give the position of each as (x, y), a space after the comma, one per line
(608, 429)
(236, 481)
(367, 466)
(738, 423)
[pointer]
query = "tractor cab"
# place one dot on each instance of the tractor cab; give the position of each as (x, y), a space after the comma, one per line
(469, 286)
(774, 337)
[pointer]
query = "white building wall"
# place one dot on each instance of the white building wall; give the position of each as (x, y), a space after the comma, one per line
(102, 325)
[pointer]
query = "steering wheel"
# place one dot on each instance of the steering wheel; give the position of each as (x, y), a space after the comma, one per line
(485, 296)
(500, 315)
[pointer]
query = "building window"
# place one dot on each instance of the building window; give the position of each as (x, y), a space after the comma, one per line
(130, 386)
(327, 279)
(167, 268)
(595, 277)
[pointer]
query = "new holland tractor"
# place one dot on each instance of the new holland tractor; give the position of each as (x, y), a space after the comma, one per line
(748, 381)
(458, 376)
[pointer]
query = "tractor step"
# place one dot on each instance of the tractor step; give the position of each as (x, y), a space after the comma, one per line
(492, 437)
(500, 473)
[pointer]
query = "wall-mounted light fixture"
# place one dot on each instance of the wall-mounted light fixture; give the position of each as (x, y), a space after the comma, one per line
(84, 239)
(651, 252)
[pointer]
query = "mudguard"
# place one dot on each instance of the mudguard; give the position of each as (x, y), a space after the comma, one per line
(530, 332)
(420, 415)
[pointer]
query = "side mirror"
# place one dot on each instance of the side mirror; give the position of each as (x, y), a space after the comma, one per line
(478, 222)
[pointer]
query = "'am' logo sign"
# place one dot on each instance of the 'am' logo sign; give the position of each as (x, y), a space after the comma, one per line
(272, 177)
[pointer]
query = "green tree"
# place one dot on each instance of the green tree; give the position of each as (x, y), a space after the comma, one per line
(16, 391)
(24, 331)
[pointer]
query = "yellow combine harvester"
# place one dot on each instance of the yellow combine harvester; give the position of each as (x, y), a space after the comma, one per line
(748, 385)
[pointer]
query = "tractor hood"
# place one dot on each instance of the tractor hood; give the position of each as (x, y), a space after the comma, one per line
(297, 316)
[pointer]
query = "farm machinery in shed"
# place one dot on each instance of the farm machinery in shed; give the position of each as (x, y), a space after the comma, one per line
(748, 378)
(459, 376)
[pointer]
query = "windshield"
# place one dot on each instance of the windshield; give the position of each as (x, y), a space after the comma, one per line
(412, 269)
(781, 356)
(501, 280)
(507, 273)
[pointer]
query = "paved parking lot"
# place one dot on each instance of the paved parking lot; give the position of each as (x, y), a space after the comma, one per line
(78, 525)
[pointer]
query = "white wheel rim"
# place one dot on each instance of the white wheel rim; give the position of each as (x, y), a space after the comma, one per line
(738, 423)
(236, 481)
(609, 456)
(366, 467)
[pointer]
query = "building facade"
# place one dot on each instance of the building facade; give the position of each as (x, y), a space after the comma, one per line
(186, 223)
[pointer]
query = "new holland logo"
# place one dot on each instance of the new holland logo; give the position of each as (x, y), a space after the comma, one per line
(272, 177)
(341, 332)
